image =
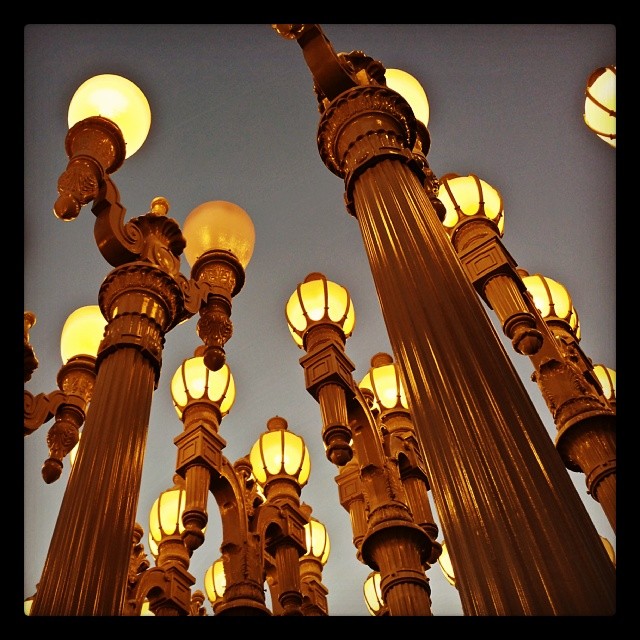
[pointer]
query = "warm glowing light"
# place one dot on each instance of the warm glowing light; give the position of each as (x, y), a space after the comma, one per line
(82, 333)
(218, 224)
(607, 379)
(553, 301)
(609, 547)
(373, 593)
(215, 581)
(411, 90)
(600, 104)
(445, 564)
(194, 381)
(466, 196)
(280, 452)
(165, 517)
(117, 99)
(145, 610)
(317, 540)
(383, 380)
(318, 300)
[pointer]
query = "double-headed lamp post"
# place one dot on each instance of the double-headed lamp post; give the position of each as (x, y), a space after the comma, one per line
(143, 298)
(507, 506)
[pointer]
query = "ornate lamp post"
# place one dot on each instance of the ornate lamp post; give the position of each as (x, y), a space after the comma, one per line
(496, 478)
(393, 529)
(537, 314)
(143, 298)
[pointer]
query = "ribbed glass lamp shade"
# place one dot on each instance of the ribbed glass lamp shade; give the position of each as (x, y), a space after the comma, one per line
(553, 301)
(600, 104)
(118, 99)
(372, 593)
(194, 381)
(218, 224)
(280, 452)
(466, 196)
(82, 333)
(165, 517)
(383, 380)
(317, 539)
(607, 379)
(445, 564)
(318, 300)
(215, 581)
(411, 90)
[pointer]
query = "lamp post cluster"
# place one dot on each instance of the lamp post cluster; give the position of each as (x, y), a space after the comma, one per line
(447, 413)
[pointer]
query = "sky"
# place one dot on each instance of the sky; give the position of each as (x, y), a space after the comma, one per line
(234, 117)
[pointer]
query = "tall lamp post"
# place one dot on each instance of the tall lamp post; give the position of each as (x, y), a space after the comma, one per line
(537, 314)
(143, 298)
(497, 481)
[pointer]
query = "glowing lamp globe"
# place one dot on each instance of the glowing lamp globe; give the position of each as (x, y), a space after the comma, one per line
(411, 90)
(383, 380)
(316, 301)
(218, 224)
(82, 333)
(600, 104)
(194, 381)
(279, 452)
(317, 541)
(466, 196)
(118, 99)
(373, 593)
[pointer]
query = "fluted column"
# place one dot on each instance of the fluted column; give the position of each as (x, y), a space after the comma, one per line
(86, 569)
(520, 539)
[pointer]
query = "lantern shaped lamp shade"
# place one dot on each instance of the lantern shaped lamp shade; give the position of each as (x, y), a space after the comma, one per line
(600, 104)
(444, 560)
(383, 380)
(215, 581)
(118, 99)
(373, 593)
(607, 379)
(165, 517)
(317, 301)
(317, 540)
(411, 90)
(278, 452)
(553, 301)
(218, 224)
(467, 196)
(193, 381)
(82, 333)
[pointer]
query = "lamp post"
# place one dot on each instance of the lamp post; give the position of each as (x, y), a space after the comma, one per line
(220, 306)
(143, 298)
(492, 466)
(537, 314)
(381, 481)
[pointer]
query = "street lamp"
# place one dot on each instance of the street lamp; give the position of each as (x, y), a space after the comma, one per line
(473, 419)
(538, 315)
(209, 292)
(144, 297)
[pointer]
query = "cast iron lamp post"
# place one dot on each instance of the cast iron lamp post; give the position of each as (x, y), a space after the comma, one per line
(368, 435)
(143, 298)
(497, 480)
(537, 314)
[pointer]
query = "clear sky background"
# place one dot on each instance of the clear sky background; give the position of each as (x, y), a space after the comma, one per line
(234, 117)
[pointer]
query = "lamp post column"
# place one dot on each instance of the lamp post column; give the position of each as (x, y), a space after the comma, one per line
(87, 565)
(521, 541)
